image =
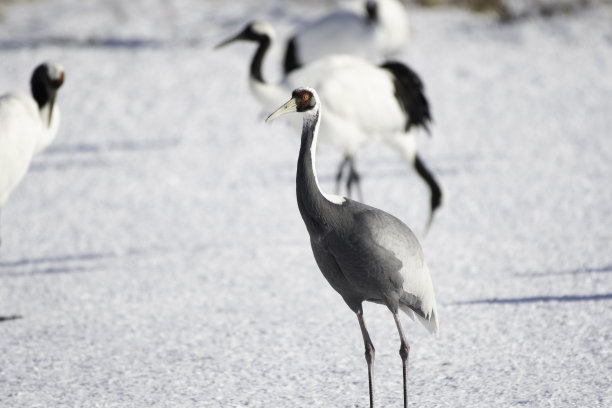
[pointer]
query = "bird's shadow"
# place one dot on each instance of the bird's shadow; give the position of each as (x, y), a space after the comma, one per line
(576, 271)
(115, 146)
(62, 157)
(549, 298)
(86, 262)
(63, 264)
(538, 299)
(74, 42)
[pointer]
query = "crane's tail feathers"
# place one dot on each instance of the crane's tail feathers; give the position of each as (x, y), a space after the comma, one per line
(291, 61)
(437, 195)
(410, 93)
(430, 321)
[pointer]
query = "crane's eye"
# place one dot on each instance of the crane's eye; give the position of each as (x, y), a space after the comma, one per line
(304, 99)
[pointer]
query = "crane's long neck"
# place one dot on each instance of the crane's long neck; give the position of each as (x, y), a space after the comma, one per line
(44, 97)
(257, 63)
(49, 113)
(315, 207)
(270, 95)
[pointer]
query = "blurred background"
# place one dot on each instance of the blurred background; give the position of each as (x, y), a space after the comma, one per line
(153, 255)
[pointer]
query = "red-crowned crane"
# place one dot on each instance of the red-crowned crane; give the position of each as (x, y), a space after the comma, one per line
(28, 124)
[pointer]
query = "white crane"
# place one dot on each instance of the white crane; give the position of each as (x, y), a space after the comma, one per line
(376, 30)
(364, 253)
(28, 124)
(389, 103)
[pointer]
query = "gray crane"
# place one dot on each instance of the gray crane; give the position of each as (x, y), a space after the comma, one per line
(364, 253)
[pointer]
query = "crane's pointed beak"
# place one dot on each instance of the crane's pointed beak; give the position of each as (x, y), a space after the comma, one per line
(230, 40)
(290, 106)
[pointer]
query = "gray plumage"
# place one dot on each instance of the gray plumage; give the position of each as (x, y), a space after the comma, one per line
(364, 253)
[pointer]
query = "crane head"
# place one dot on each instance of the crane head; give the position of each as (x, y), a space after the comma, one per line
(302, 100)
(255, 31)
(46, 80)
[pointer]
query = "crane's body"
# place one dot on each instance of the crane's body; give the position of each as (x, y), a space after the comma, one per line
(364, 253)
(397, 105)
(382, 262)
(375, 30)
(336, 77)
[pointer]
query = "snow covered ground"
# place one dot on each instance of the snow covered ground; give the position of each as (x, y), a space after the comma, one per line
(157, 257)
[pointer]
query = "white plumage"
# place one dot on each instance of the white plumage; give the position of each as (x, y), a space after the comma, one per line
(28, 124)
(374, 29)
(337, 79)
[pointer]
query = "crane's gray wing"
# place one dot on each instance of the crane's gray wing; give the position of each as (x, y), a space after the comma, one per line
(382, 259)
(418, 291)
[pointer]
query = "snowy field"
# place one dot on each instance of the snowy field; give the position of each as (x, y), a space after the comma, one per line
(156, 255)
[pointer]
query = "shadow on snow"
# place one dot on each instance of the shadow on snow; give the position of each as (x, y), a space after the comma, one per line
(109, 42)
(117, 146)
(577, 271)
(539, 299)
(57, 264)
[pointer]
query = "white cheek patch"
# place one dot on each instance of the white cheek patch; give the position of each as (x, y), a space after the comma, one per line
(55, 71)
(264, 29)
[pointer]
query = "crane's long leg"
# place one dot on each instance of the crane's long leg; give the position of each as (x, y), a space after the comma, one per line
(369, 355)
(404, 351)
(343, 164)
(353, 178)
(436, 191)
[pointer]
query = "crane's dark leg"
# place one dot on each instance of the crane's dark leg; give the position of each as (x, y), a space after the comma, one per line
(353, 178)
(7, 318)
(369, 354)
(436, 191)
(403, 352)
(343, 164)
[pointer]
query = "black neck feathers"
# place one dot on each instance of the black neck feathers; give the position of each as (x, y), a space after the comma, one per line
(257, 63)
(42, 92)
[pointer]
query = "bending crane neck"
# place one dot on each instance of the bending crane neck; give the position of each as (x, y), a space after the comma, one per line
(257, 63)
(45, 99)
(314, 207)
